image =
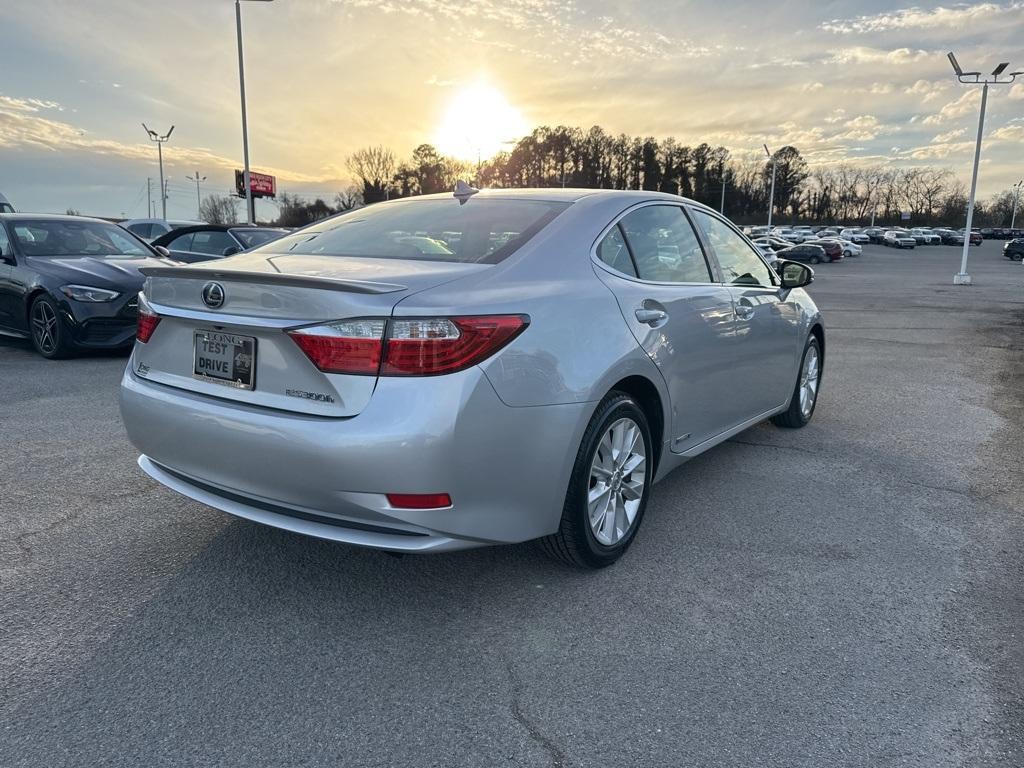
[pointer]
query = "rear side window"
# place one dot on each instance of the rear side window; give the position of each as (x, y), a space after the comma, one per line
(613, 252)
(481, 230)
(142, 230)
(664, 246)
(181, 243)
(212, 243)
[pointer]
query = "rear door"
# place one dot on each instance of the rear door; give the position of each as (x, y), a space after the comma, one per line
(653, 262)
(10, 299)
(767, 321)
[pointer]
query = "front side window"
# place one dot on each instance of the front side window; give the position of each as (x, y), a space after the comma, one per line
(664, 246)
(740, 263)
(181, 243)
(250, 238)
(480, 230)
(61, 237)
(5, 243)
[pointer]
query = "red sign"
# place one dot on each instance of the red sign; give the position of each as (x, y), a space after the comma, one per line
(262, 184)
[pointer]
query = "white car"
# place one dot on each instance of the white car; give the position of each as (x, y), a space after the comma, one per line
(789, 235)
(850, 247)
(896, 238)
(854, 236)
(925, 236)
(150, 229)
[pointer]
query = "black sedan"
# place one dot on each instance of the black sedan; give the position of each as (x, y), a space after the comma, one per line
(69, 282)
(1014, 249)
(812, 254)
(214, 241)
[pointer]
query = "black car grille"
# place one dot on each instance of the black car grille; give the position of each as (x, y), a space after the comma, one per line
(100, 330)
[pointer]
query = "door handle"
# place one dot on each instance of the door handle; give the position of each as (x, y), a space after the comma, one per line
(651, 316)
(744, 311)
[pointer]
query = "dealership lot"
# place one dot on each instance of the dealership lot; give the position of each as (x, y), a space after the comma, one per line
(847, 594)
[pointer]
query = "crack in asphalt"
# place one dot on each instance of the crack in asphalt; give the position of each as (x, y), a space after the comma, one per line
(558, 758)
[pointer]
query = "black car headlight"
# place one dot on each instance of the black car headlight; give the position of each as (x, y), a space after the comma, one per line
(88, 293)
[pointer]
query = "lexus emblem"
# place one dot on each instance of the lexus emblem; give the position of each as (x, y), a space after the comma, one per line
(213, 295)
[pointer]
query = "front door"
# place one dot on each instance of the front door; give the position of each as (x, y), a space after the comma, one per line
(653, 262)
(768, 346)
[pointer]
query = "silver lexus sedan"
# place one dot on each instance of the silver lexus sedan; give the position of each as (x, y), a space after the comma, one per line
(443, 372)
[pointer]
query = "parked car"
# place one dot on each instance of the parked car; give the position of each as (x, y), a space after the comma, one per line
(987, 233)
(896, 238)
(925, 236)
(806, 252)
(976, 236)
(850, 248)
(150, 229)
(5, 205)
(875, 234)
(1014, 249)
(789, 235)
(774, 243)
(948, 236)
(215, 241)
(401, 400)
(854, 236)
(70, 282)
(833, 248)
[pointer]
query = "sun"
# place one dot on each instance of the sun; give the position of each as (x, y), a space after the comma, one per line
(479, 123)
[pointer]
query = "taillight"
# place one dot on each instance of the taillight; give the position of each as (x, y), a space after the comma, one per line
(412, 347)
(445, 345)
(146, 324)
(350, 346)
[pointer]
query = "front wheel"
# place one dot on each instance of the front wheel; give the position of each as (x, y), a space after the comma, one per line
(49, 336)
(814, 260)
(608, 489)
(805, 393)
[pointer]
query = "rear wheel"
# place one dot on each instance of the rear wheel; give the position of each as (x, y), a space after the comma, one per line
(805, 393)
(814, 260)
(608, 489)
(49, 336)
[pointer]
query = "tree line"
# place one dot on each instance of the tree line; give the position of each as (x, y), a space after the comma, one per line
(841, 193)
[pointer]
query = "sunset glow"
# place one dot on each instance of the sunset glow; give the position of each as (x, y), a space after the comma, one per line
(479, 122)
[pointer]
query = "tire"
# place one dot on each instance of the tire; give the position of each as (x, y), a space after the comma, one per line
(49, 335)
(798, 415)
(814, 260)
(578, 540)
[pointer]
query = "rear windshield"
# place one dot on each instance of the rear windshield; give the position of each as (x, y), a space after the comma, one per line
(483, 231)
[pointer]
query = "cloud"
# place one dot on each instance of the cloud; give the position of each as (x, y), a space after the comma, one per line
(950, 19)
(928, 91)
(960, 107)
(11, 104)
(812, 87)
(862, 54)
(948, 136)
(1017, 92)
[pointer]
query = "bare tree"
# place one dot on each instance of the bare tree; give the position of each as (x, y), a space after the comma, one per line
(219, 209)
(374, 167)
(349, 199)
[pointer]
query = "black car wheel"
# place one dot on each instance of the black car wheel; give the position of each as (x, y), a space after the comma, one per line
(813, 259)
(609, 486)
(49, 336)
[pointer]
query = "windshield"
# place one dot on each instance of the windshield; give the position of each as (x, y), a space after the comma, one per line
(250, 238)
(60, 237)
(484, 231)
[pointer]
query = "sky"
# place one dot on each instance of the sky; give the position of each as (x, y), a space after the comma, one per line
(862, 82)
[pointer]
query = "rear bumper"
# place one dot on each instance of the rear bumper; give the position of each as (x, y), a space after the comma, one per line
(505, 468)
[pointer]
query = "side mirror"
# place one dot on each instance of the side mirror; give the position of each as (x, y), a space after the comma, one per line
(231, 250)
(794, 274)
(162, 251)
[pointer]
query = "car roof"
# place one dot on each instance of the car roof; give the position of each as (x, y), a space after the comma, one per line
(558, 194)
(50, 217)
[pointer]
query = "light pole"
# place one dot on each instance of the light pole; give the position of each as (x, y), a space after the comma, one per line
(250, 205)
(154, 136)
(975, 78)
(771, 196)
(1016, 197)
(199, 204)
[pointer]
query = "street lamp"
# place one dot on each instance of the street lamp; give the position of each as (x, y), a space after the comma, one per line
(1016, 197)
(154, 136)
(250, 205)
(199, 204)
(771, 196)
(976, 78)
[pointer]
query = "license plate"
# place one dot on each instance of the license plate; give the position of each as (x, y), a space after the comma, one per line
(225, 358)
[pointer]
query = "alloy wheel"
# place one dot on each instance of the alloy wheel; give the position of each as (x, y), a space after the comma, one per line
(618, 475)
(44, 327)
(809, 382)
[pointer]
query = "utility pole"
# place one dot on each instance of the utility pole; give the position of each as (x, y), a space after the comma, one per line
(149, 197)
(199, 205)
(962, 278)
(166, 182)
(154, 136)
(1016, 196)
(250, 203)
(771, 195)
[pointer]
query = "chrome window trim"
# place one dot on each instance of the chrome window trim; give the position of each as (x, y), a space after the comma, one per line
(712, 265)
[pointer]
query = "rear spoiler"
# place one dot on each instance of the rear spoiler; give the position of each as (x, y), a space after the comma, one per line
(273, 278)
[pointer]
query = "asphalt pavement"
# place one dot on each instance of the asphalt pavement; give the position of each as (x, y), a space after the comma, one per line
(849, 594)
